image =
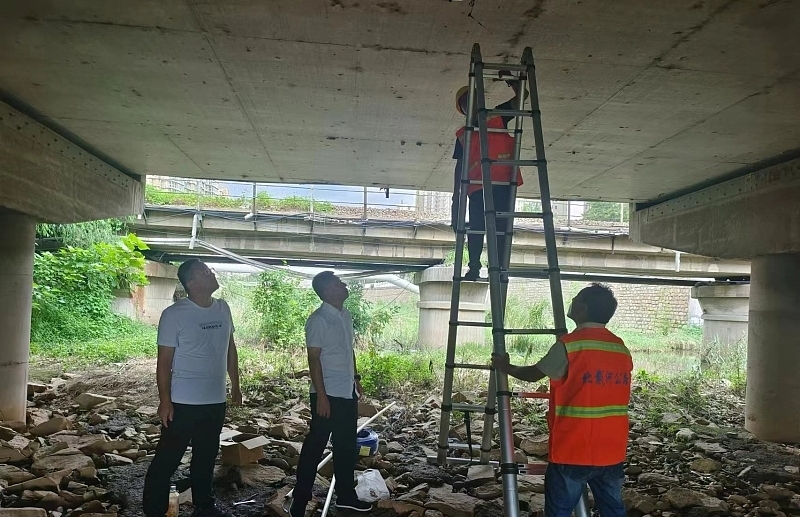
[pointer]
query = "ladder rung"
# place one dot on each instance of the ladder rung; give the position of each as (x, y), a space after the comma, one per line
(518, 163)
(480, 182)
(505, 66)
(521, 272)
(467, 366)
(510, 113)
(471, 324)
(532, 332)
(492, 130)
(524, 468)
(482, 232)
(463, 279)
(475, 408)
(532, 272)
(520, 215)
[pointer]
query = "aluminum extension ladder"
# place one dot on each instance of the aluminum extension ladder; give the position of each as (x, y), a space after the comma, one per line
(499, 397)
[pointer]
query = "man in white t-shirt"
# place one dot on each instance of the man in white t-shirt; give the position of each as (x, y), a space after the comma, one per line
(195, 351)
(335, 389)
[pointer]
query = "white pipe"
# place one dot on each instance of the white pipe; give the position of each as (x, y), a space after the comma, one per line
(396, 280)
(195, 220)
(369, 275)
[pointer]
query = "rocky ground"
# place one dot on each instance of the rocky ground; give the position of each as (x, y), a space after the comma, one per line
(88, 440)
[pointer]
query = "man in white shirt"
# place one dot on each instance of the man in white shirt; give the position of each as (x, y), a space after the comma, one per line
(335, 389)
(195, 351)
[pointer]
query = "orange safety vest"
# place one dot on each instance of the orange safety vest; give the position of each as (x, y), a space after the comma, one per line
(501, 147)
(589, 407)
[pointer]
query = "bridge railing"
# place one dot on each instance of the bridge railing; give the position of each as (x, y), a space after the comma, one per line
(350, 202)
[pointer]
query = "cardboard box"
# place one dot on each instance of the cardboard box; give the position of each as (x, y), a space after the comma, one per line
(243, 449)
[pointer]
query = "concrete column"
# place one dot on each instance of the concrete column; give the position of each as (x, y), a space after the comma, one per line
(435, 290)
(773, 349)
(17, 241)
(724, 312)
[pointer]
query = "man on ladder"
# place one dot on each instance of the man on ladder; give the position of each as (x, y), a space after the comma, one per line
(501, 146)
(590, 374)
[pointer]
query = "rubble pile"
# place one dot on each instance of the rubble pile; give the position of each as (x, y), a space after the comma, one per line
(81, 453)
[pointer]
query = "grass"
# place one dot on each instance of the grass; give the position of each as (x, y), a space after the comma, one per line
(264, 201)
(128, 340)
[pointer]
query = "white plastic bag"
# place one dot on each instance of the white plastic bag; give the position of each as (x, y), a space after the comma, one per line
(371, 486)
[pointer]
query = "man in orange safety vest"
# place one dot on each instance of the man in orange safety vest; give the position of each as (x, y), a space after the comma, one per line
(590, 388)
(501, 146)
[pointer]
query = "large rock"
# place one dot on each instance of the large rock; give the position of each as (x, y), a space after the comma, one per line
(653, 478)
(710, 448)
(428, 474)
(681, 498)
(87, 401)
(22, 512)
(14, 475)
(258, 475)
(52, 426)
(685, 435)
(705, 465)
(480, 475)
(530, 483)
(400, 508)
(15, 425)
(93, 443)
(777, 493)
(490, 491)
(43, 483)
(451, 504)
(538, 446)
(68, 459)
(6, 433)
(115, 460)
(635, 501)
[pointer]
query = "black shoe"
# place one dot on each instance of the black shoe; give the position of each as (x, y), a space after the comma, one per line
(210, 511)
(353, 503)
(298, 509)
(472, 275)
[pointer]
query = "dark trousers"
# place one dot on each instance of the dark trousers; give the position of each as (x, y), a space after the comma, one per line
(477, 221)
(199, 425)
(563, 486)
(342, 424)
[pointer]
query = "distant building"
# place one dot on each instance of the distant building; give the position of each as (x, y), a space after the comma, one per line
(189, 185)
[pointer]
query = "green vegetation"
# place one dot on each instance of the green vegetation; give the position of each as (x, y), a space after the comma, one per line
(73, 289)
(82, 235)
(283, 306)
(264, 201)
(602, 211)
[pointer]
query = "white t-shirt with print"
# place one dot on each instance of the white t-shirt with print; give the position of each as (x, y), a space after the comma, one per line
(200, 337)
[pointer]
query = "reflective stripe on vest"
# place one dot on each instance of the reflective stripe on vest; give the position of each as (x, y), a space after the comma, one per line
(603, 346)
(591, 412)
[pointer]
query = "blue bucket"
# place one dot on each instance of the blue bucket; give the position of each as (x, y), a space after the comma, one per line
(367, 442)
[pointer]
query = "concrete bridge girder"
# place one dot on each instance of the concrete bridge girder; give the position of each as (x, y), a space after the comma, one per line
(423, 244)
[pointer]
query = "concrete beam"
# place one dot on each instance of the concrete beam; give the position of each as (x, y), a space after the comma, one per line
(419, 244)
(44, 175)
(755, 214)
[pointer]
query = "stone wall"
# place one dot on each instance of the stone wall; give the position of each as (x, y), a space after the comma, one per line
(646, 308)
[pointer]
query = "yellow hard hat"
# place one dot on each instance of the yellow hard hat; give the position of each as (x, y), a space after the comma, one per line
(460, 93)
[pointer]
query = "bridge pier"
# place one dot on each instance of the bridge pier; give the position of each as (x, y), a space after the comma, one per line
(773, 350)
(754, 215)
(724, 313)
(435, 291)
(17, 241)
